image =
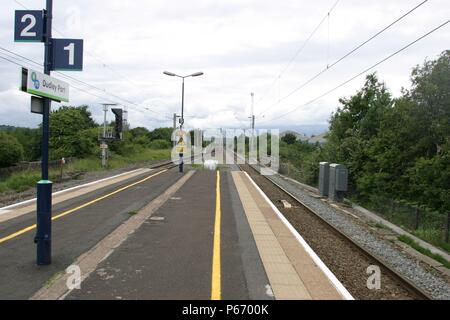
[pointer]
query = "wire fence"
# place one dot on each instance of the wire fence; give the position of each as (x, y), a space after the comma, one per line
(431, 226)
(28, 166)
(295, 173)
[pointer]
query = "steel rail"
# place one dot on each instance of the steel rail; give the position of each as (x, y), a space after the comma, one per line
(407, 283)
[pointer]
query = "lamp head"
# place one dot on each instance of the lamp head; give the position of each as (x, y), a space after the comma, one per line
(170, 74)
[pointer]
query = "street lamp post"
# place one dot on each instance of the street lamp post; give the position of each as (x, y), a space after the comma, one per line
(171, 74)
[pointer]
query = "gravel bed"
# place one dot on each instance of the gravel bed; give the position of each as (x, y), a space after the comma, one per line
(73, 180)
(436, 286)
(334, 250)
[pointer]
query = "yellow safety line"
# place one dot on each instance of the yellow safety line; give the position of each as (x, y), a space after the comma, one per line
(65, 213)
(216, 290)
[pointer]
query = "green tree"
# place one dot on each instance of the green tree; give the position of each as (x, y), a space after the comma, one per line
(159, 144)
(430, 91)
(71, 133)
(11, 151)
(139, 136)
(429, 182)
(139, 132)
(354, 126)
(289, 138)
(29, 139)
(396, 148)
(161, 134)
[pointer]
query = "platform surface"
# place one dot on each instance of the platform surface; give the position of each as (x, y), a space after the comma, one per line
(201, 235)
(292, 273)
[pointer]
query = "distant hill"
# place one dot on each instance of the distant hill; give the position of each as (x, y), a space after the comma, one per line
(12, 128)
(298, 135)
(308, 130)
(7, 128)
(320, 138)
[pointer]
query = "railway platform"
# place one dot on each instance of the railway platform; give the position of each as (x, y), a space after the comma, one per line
(214, 236)
(295, 272)
(155, 233)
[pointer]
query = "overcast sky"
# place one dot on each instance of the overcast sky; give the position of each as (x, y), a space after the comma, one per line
(242, 46)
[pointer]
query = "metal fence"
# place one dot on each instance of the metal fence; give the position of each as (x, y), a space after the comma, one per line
(291, 171)
(429, 224)
(27, 166)
(432, 226)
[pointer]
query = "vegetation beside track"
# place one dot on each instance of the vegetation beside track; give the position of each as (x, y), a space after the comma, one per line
(75, 136)
(409, 241)
(397, 150)
(21, 181)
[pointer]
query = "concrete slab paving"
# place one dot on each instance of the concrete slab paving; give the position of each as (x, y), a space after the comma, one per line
(73, 234)
(173, 259)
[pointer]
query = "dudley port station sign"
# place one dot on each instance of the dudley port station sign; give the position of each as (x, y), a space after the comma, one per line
(42, 85)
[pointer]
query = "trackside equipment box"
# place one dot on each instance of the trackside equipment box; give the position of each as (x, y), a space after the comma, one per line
(338, 182)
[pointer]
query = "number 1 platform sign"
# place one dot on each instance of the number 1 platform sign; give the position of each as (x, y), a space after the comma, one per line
(68, 54)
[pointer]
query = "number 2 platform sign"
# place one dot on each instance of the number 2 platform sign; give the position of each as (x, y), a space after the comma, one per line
(67, 53)
(29, 26)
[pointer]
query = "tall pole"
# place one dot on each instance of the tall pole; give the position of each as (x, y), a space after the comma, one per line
(181, 124)
(105, 137)
(182, 105)
(44, 187)
(105, 110)
(253, 112)
(253, 104)
(174, 126)
(125, 123)
(174, 121)
(47, 102)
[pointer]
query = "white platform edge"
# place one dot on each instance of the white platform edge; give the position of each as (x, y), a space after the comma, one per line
(5, 209)
(335, 282)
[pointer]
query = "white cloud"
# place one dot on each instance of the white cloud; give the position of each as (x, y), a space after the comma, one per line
(241, 45)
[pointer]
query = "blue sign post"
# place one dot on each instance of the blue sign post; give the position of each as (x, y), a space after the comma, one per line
(43, 238)
(60, 54)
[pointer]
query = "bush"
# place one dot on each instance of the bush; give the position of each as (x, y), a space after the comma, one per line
(159, 144)
(72, 133)
(161, 134)
(22, 181)
(289, 138)
(11, 151)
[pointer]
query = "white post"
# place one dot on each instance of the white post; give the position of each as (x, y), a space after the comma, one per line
(253, 112)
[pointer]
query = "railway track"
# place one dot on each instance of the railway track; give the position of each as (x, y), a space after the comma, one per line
(345, 258)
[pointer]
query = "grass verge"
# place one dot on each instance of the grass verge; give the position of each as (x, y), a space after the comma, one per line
(22, 181)
(424, 251)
